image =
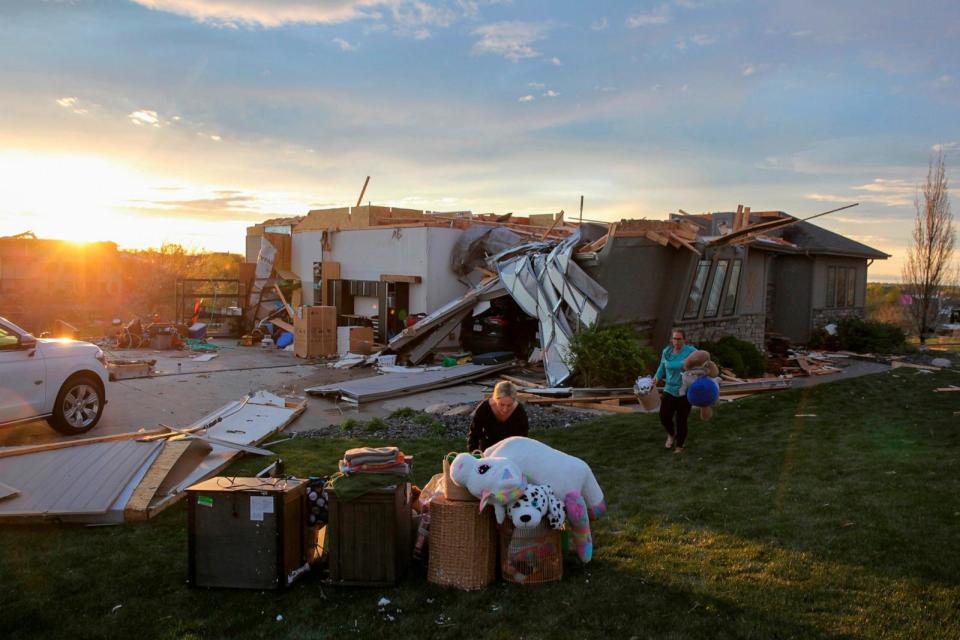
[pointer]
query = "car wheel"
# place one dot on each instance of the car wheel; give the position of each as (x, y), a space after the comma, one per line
(79, 405)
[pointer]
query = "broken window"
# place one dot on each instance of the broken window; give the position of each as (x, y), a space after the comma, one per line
(692, 310)
(730, 300)
(716, 288)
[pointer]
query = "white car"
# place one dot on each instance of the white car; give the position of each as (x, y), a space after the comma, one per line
(64, 381)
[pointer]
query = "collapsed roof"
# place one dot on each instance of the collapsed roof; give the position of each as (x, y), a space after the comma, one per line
(538, 271)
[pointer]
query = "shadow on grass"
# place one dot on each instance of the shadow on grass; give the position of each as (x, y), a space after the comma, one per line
(824, 512)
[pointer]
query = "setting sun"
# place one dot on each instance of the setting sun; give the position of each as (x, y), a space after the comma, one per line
(71, 197)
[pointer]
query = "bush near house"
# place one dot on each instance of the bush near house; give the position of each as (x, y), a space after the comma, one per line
(742, 357)
(609, 356)
(861, 336)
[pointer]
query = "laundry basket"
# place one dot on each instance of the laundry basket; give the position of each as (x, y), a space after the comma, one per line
(530, 556)
(463, 544)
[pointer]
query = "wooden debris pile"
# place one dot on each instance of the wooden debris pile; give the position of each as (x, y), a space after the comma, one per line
(620, 400)
(813, 363)
(675, 233)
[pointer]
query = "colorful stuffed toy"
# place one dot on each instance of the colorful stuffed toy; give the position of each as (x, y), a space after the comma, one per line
(537, 502)
(501, 475)
(647, 394)
(699, 382)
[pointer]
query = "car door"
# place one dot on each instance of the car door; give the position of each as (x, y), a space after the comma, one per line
(22, 379)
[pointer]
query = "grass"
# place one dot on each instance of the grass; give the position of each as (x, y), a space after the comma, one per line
(824, 512)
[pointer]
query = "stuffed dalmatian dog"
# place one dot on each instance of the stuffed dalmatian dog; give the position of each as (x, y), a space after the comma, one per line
(537, 501)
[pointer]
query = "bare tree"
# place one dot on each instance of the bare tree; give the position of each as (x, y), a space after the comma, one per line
(927, 269)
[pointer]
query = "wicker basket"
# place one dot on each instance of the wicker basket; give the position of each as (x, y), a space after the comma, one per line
(530, 556)
(451, 490)
(463, 545)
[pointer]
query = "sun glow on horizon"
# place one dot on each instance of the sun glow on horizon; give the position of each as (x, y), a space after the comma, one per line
(86, 198)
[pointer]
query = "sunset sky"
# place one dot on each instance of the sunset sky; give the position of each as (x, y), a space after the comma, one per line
(146, 121)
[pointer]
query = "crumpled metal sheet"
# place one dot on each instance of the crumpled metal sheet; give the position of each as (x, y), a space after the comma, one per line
(544, 282)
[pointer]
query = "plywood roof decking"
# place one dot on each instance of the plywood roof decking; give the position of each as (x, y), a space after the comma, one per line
(80, 480)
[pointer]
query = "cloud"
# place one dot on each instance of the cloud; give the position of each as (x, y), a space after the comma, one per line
(703, 40)
(946, 147)
(600, 24)
(555, 61)
(269, 13)
(536, 85)
(144, 117)
(657, 17)
(512, 40)
(551, 94)
(751, 69)
(344, 45)
(416, 17)
(72, 103)
(889, 193)
(526, 98)
(944, 81)
(207, 205)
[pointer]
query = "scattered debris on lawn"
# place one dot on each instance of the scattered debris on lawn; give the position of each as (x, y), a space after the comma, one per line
(119, 369)
(391, 385)
(134, 476)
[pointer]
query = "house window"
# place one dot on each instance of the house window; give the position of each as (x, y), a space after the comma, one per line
(730, 300)
(692, 310)
(841, 287)
(716, 288)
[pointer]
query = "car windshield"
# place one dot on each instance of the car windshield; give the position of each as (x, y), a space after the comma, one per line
(10, 333)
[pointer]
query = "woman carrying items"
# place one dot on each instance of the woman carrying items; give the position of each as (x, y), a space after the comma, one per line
(673, 403)
(498, 418)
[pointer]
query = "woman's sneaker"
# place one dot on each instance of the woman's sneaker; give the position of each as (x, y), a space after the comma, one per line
(669, 443)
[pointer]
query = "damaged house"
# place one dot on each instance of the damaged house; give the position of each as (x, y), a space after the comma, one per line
(735, 273)
(540, 278)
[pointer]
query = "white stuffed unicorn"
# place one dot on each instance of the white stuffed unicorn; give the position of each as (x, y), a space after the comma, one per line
(501, 476)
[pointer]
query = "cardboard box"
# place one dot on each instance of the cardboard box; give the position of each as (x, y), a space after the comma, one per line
(354, 340)
(315, 332)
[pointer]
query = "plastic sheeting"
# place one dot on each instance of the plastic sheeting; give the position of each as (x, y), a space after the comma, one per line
(479, 241)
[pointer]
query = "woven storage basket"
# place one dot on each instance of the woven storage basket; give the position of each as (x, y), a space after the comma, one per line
(451, 490)
(530, 556)
(463, 544)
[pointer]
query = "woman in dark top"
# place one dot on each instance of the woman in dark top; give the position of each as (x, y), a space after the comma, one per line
(498, 418)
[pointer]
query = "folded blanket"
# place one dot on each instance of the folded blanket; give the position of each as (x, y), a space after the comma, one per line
(350, 487)
(373, 455)
(397, 469)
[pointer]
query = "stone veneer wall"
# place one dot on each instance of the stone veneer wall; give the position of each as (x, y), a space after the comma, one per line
(749, 327)
(822, 317)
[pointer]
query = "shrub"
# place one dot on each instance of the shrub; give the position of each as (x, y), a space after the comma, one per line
(403, 412)
(377, 424)
(740, 356)
(433, 423)
(609, 356)
(869, 336)
(350, 424)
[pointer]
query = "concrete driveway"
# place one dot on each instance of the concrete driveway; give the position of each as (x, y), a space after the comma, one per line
(184, 390)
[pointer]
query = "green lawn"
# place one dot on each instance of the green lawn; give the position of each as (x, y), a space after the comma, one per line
(772, 525)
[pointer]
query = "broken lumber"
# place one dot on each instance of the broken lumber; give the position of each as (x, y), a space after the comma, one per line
(286, 305)
(896, 364)
(50, 446)
(521, 381)
(600, 406)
